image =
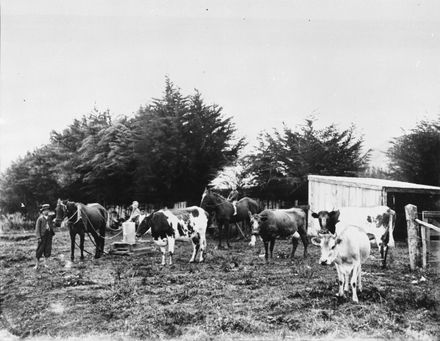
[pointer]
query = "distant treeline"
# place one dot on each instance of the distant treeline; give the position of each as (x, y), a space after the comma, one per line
(171, 149)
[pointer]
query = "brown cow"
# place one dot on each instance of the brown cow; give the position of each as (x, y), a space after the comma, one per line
(270, 224)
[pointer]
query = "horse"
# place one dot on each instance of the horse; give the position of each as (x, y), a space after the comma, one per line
(91, 218)
(214, 203)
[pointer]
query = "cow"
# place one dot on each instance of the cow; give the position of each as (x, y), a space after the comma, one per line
(377, 221)
(348, 250)
(168, 225)
(270, 224)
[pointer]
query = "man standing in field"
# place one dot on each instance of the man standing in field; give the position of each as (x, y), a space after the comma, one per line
(44, 233)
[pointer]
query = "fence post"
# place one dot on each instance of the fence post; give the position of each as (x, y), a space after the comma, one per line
(423, 230)
(411, 215)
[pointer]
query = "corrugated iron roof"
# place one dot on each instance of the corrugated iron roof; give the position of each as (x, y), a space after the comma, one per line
(372, 183)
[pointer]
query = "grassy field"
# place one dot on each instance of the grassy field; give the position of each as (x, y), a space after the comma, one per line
(233, 295)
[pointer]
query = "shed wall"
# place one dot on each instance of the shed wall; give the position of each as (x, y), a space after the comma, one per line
(325, 196)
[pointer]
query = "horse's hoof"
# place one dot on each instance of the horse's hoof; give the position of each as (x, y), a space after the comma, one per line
(191, 261)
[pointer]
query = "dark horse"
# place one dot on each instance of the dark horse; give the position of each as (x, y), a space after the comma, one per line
(91, 218)
(214, 203)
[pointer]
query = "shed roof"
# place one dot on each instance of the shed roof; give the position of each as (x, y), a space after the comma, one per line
(380, 184)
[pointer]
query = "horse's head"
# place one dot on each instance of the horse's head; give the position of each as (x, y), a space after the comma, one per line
(205, 193)
(60, 213)
(211, 200)
(65, 209)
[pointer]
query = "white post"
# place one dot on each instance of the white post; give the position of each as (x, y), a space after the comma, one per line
(411, 215)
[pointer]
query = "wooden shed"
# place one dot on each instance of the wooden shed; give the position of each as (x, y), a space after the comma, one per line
(332, 192)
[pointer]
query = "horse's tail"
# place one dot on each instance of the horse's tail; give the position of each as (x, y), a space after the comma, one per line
(105, 215)
(106, 218)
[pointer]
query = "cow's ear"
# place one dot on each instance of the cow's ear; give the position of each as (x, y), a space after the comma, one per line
(315, 215)
(335, 215)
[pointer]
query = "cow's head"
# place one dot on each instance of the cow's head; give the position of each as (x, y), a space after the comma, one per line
(329, 244)
(255, 220)
(144, 226)
(327, 220)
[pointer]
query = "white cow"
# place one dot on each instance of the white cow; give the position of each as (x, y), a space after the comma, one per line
(377, 221)
(347, 249)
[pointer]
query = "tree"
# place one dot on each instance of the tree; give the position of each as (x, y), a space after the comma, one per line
(415, 156)
(29, 181)
(181, 145)
(283, 160)
(168, 152)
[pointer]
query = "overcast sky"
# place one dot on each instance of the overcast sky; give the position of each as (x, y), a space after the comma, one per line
(372, 63)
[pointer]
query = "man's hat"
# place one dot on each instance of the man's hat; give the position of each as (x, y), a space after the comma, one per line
(44, 207)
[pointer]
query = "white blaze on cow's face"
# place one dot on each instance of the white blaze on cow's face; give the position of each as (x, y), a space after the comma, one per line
(255, 223)
(323, 221)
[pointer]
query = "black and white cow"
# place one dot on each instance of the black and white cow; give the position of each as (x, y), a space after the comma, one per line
(377, 221)
(168, 225)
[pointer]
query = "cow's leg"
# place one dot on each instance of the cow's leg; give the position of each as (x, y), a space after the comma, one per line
(163, 250)
(304, 239)
(272, 244)
(384, 253)
(354, 277)
(171, 242)
(81, 244)
(196, 246)
(340, 281)
(359, 278)
(266, 250)
(295, 239)
(202, 246)
(72, 246)
(346, 273)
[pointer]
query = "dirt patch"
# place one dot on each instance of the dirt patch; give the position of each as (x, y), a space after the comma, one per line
(233, 295)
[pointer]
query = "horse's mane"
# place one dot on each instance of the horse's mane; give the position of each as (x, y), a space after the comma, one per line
(218, 195)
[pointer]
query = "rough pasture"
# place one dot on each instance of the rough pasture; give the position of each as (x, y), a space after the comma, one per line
(233, 295)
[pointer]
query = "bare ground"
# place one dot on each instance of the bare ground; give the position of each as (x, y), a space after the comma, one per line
(233, 295)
